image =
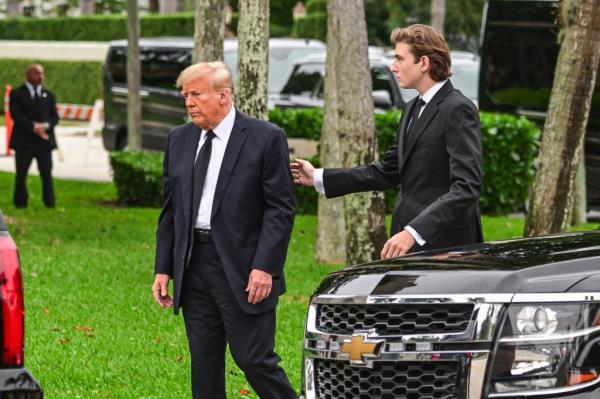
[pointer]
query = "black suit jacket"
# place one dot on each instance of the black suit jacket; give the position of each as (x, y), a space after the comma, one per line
(438, 169)
(252, 213)
(25, 112)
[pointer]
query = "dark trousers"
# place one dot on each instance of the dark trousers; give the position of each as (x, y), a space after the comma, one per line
(213, 319)
(23, 160)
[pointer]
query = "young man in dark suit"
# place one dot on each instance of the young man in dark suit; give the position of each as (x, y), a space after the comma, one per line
(435, 160)
(33, 109)
(222, 237)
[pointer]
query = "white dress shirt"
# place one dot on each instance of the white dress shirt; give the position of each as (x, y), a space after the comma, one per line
(33, 89)
(219, 143)
(318, 176)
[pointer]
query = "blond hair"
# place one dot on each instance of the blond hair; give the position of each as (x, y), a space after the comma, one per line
(217, 73)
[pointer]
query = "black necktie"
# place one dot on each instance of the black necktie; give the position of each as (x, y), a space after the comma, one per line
(37, 99)
(416, 111)
(200, 169)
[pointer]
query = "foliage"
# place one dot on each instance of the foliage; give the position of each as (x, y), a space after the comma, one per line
(138, 177)
(461, 26)
(509, 148)
(311, 26)
(313, 6)
(95, 27)
(60, 76)
(298, 122)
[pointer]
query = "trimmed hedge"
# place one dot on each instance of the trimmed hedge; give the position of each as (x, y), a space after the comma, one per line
(112, 27)
(510, 145)
(95, 27)
(509, 149)
(71, 81)
(138, 177)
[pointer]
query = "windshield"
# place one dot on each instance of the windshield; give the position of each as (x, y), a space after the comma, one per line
(305, 79)
(465, 77)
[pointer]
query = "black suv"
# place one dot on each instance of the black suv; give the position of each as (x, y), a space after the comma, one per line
(162, 59)
(518, 57)
(15, 381)
(511, 319)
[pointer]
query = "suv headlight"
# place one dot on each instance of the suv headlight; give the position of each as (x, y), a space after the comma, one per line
(547, 346)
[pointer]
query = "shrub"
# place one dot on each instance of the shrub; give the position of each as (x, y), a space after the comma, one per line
(138, 177)
(60, 76)
(298, 123)
(314, 6)
(311, 26)
(95, 27)
(509, 148)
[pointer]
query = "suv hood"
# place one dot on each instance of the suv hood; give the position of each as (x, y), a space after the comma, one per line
(546, 264)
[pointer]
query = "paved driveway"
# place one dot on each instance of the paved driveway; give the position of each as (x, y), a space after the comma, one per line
(79, 158)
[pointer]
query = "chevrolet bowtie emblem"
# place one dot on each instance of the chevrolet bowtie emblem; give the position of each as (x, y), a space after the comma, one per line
(360, 346)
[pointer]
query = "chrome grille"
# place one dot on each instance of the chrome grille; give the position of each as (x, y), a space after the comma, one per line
(394, 319)
(386, 380)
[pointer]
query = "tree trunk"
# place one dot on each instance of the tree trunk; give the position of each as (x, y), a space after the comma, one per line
(349, 117)
(88, 7)
(210, 30)
(580, 192)
(564, 130)
(253, 57)
(331, 228)
(12, 8)
(438, 14)
(134, 103)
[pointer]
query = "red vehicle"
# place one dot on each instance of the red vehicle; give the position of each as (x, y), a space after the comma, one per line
(15, 381)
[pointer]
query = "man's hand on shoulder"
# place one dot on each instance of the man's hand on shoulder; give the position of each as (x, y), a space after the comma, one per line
(259, 286)
(397, 245)
(160, 290)
(303, 172)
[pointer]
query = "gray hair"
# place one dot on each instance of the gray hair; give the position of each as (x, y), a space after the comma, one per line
(217, 72)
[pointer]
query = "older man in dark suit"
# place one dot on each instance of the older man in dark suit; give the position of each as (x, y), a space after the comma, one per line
(33, 109)
(435, 160)
(223, 232)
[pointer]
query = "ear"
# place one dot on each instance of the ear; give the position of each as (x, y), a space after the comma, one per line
(425, 64)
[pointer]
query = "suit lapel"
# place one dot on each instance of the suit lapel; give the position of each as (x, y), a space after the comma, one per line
(423, 121)
(404, 125)
(188, 154)
(232, 152)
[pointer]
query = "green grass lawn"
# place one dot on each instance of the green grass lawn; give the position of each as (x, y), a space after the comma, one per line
(93, 329)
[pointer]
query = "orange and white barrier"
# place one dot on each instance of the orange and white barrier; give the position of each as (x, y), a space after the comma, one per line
(75, 111)
(8, 121)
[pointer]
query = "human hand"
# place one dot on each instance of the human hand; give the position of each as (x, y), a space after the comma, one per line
(160, 290)
(259, 286)
(39, 128)
(303, 172)
(397, 245)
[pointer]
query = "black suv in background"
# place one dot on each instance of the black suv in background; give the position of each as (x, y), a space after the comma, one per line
(518, 57)
(162, 59)
(15, 381)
